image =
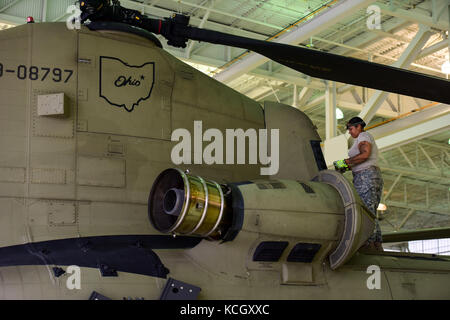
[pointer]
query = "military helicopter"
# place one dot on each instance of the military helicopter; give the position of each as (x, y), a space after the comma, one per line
(93, 207)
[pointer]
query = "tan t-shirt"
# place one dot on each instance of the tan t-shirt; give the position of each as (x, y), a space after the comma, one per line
(354, 150)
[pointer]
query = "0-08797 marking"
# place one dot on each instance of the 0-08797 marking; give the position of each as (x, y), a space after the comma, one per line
(34, 73)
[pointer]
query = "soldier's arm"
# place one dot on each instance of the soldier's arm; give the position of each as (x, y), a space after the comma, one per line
(365, 148)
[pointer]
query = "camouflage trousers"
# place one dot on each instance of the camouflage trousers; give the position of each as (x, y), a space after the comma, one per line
(369, 185)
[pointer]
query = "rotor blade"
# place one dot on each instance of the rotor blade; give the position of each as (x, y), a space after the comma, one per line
(333, 67)
(311, 62)
(436, 233)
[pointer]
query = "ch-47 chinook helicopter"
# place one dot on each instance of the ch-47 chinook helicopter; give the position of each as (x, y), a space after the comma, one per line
(87, 180)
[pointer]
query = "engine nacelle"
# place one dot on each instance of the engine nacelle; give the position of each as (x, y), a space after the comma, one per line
(326, 213)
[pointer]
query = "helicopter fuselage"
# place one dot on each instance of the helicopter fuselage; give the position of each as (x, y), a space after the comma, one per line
(87, 119)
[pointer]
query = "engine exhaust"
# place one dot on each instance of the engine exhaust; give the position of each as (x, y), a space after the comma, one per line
(184, 204)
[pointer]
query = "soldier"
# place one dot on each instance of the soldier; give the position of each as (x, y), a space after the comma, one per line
(366, 174)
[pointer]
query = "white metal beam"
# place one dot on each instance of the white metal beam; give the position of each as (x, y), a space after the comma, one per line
(413, 15)
(229, 14)
(44, 11)
(392, 186)
(436, 186)
(433, 48)
(414, 127)
(273, 91)
(308, 82)
(404, 61)
(438, 9)
(429, 174)
(5, 18)
(444, 147)
(305, 31)
(346, 105)
(411, 211)
(391, 104)
(330, 110)
(385, 34)
(295, 97)
(304, 96)
(428, 157)
(356, 96)
(365, 39)
(406, 157)
(417, 207)
(6, 7)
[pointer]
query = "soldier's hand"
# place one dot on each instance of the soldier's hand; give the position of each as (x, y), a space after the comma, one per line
(341, 166)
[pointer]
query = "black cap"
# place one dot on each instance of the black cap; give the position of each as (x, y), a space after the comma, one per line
(355, 121)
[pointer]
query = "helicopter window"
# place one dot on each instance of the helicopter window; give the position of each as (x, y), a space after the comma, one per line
(318, 155)
(303, 252)
(269, 251)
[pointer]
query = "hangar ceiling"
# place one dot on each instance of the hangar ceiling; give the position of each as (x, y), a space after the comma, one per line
(411, 34)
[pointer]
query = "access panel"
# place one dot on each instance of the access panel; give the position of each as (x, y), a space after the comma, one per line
(124, 86)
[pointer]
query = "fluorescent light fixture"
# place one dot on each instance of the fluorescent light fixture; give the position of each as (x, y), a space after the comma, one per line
(446, 67)
(339, 114)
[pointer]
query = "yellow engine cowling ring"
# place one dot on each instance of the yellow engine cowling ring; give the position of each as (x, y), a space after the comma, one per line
(185, 204)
